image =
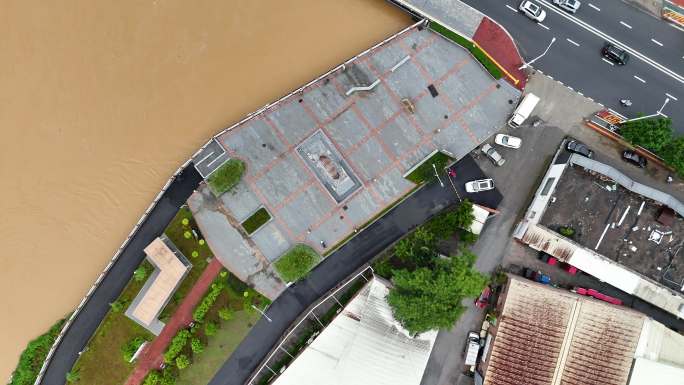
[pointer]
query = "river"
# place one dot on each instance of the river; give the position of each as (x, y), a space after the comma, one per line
(101, 101)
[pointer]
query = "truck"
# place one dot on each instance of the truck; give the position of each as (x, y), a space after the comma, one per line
(472, 349)
(524, 110)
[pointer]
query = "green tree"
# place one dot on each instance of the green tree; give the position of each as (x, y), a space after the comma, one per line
(168, 377)
(226, 313)
(140, 274)
(119, 305)
(196, 345)
(153, 378)
(673, 154)
(73, 376)
(430, 298)
(182, 361)
(210, 328)
(651, 133)
(417, 249)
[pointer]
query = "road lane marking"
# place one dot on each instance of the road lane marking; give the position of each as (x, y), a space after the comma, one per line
(671, 97)
(657, 42)
(607, 61)
(543, 26)
(595, 7)
(639, 79)
(679, 78)
(572, 42)
(626, 25)
(511, 8)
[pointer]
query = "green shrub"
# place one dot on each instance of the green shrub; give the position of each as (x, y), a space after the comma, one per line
(152, 378)
(177, 344)
(140, 274)
(31, 359)
(119, 305)
(226, 313)
(130, 347)
(296, 263)
(73, 376)
(256, 220)
(196, 346)
(226, 177)
(187, 234)
(426, 172)
(194, 254)
(210, 328)
(168, 377)
(201, 310)
(185, 221)
(383, 268)
(182, 361)
(566, 231)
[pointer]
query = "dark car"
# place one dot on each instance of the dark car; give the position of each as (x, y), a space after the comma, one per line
(635, 158)
(579, 148)
(617, 55)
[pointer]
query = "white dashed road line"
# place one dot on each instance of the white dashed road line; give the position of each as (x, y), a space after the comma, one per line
(671, 97)
(626, 25)
(657, 42)
(595, 7)
(572, 42)
(543, 26)
(511, 8)
(639, 79)
(607, 61)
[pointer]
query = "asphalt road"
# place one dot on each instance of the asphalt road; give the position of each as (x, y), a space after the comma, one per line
(115, 280)
(328, 274)
(574, 59)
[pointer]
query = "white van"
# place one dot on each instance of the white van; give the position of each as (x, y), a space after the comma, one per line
(472, 349)
(523, 110)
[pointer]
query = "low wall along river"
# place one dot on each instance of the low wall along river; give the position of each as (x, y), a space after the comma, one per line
(102, 102)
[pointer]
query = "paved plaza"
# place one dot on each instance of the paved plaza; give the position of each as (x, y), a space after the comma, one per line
(327, 159)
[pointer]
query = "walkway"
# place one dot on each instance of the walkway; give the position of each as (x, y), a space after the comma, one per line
(496, 41)
(152, 357)
(113, 283)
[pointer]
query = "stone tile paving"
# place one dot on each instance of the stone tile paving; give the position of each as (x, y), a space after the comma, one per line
(379, 134)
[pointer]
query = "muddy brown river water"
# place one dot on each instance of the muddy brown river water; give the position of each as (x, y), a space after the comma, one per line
(101, 101)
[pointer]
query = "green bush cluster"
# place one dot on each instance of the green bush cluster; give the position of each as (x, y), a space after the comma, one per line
(177, 344)
(201, 310)
(425, 172)
(164, 377)
(210, 329)
(31, 359)
(226, 177)
(296, 263)
(182, 361)
(196, 345)
(656, 135)
(130, 347)
(488, 64)
(566, 231)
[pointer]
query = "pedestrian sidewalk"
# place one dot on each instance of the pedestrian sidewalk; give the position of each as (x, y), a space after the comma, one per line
(152, 356)
(497, 42)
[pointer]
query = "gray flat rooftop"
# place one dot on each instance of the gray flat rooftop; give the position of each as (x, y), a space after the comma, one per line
(583, 203)
(375, 119)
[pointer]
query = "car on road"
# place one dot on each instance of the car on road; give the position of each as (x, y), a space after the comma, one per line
(532, 10)
(479, 185)
(579, 148)
(569, 5)
(507, 141)
(634, 158)
(483, 300)
(615, 54)
(493, 155)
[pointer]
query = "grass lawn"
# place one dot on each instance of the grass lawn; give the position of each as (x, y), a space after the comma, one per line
(197, 255)
(425, 172)
(296, 263)
(102, 363)
(218, 349)
(256, 220)
(226, 177)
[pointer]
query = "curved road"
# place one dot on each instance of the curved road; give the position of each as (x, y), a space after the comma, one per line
(654, 73)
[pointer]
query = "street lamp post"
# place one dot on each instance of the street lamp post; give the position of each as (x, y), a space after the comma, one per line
(262, 313)
(525, 65)
(437, 175)
(658, 113)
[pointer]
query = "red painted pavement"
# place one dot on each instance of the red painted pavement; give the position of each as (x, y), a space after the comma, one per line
(152, 356)
(499, 45)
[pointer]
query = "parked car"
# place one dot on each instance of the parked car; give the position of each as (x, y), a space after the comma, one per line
(493, 155)
(635, 158)
(479, 185)
(472, 349)
(570, 269)
(579, 148)
(507, 141)
(483, 300)
(536, 276)
(615, 54)
(549, 260)
(569, 5)
(532, 10)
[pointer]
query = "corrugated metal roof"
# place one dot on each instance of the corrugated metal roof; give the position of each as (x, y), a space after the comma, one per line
(363, 345)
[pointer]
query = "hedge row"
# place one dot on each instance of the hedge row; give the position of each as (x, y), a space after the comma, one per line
(177, 344)
(488, 64)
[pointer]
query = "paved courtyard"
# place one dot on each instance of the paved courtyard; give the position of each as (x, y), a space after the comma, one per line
(327, 159)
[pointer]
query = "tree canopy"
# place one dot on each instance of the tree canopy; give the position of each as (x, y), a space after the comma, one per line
(652, 134)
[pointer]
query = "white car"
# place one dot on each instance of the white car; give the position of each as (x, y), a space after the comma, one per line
(569, 5)
(479, 185)
(507, 141)
(493, 155)
(532, 10)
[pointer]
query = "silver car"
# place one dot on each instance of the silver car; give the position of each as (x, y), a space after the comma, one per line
(532, 10)
(569, 5)
(493, 155)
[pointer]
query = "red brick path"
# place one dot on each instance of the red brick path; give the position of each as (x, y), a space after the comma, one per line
(499, 44)
(152, 356)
